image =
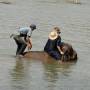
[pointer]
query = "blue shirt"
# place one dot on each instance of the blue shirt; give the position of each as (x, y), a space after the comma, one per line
(26, 31)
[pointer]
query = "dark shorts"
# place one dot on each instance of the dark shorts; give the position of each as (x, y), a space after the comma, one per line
(55, 54)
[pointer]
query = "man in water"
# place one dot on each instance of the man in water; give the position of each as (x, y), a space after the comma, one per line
(23, 40)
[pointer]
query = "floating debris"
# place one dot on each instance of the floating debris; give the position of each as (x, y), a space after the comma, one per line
(77, 1)
(74, 1)
(5, 2)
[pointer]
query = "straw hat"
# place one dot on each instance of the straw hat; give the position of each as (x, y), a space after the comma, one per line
(53, 35)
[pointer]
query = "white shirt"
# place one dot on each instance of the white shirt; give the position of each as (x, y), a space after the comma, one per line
(26, 30)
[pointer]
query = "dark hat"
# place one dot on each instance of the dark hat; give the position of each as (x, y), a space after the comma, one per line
(33, 26)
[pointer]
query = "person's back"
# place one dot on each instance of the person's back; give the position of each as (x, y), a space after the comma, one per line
(23, 40)
(51, 45)
(25, 31)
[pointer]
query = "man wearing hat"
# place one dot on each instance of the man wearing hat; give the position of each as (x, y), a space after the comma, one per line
(23, 40)
(52, 46)
(59, 46)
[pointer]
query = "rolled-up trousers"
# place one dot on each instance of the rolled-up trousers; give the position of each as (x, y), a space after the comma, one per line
(21, 45)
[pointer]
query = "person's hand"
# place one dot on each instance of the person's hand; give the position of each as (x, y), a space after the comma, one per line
(62, 52)
(29, 46)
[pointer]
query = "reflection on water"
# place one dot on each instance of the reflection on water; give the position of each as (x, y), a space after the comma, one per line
(18, 71)
(52, 71)
(18, 75)
(25, 72)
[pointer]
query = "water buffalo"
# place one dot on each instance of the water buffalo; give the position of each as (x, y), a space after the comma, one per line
(69, 54)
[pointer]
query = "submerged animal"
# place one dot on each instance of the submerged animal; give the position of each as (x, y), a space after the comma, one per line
(69, 54)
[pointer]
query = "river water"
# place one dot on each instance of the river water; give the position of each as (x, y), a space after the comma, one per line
(25, 74)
